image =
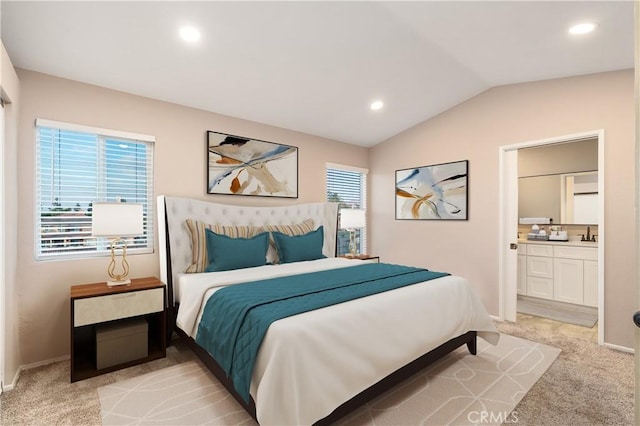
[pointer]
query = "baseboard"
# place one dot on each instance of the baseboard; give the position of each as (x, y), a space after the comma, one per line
(9, 387)
(496, 318)
(16, 377)
(619, 348)
(45, 362)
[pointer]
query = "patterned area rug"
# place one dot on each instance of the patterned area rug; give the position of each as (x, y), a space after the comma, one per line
(458, 389)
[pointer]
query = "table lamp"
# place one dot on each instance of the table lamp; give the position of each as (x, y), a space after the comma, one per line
(117, 221)
(351, 219)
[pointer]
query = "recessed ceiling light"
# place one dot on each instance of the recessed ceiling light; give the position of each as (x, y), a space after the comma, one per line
(376, 105)
(190, 34)
(583, 28)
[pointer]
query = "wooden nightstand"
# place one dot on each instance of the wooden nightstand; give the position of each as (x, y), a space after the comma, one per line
(362, 257)
(97, 305)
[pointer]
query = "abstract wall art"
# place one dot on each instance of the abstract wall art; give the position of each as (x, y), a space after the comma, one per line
(244, 166)
(433, 192)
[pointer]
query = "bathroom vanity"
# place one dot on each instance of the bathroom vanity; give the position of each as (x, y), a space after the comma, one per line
(561, 271)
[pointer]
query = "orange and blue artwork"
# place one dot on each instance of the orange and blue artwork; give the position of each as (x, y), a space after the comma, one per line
(438, 191)
(244, 166)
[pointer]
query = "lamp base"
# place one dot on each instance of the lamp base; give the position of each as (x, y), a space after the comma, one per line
(353, 251)
(115, 283)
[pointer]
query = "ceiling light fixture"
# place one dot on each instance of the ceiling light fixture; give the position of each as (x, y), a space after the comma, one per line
(190, 34)
(376, 105)
(583, 28)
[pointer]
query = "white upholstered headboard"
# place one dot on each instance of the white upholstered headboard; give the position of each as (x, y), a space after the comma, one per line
(178, 210)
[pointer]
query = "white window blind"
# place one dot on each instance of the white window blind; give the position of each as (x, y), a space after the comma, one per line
(78, 166)
(348, 187)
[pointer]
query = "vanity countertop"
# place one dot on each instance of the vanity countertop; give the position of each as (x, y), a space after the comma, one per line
(575, 243)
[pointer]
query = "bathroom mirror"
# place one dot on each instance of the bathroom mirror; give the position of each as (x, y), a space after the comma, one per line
(579, 198)
(560, 181)
(568, 198)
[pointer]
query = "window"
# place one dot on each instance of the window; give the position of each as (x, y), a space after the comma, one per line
(348, 187)
(78, 166)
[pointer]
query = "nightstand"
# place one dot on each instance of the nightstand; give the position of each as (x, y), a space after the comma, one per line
(362, 257)
(97, 307)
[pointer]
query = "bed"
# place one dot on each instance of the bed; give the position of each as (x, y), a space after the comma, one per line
(314, 367)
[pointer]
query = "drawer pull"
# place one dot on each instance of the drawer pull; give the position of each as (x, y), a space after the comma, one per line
(122, 296)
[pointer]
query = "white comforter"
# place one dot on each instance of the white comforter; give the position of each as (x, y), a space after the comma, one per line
(311, 363)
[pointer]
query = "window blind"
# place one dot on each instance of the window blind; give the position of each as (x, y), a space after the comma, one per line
(348, 187)
(76, 168)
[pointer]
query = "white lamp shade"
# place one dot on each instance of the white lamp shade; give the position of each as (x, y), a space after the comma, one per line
(352, 218)
(116, 220)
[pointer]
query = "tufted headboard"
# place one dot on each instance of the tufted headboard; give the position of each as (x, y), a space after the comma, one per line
(175, 243)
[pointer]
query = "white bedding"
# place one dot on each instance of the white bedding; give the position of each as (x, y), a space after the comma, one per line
(311, 363)
(193, 289)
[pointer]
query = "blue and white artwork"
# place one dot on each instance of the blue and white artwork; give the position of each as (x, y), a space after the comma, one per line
(243, 166)
(433, 192)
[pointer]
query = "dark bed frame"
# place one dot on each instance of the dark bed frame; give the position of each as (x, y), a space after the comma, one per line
(360, 399)
(386, 383)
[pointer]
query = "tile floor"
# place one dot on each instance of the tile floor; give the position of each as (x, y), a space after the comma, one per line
(557, 327)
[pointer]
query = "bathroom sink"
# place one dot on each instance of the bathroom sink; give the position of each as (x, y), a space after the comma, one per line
(559, 236)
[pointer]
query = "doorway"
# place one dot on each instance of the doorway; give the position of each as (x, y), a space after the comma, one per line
(509, 223)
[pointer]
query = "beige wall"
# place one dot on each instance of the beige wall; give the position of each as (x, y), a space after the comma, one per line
(10, 87)
(474, 131)
(179, 170)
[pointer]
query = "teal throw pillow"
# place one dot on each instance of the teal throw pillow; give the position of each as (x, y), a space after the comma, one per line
(298, 248)
(226, 253)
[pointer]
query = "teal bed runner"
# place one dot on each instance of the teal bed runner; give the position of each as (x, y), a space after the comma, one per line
(236, 318)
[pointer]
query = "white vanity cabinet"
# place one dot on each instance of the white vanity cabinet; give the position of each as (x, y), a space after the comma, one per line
(522, 274)
(557, 271)
(571, 281)
(522, 269)
(568, 280)
(540, 271)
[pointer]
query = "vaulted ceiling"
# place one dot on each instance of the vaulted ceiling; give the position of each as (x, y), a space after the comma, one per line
(315, 67)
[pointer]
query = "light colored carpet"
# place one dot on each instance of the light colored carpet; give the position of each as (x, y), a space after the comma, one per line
(458, 389)
(586, 385)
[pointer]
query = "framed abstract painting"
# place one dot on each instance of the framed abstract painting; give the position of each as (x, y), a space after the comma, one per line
(433, 192)
(242, 166)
